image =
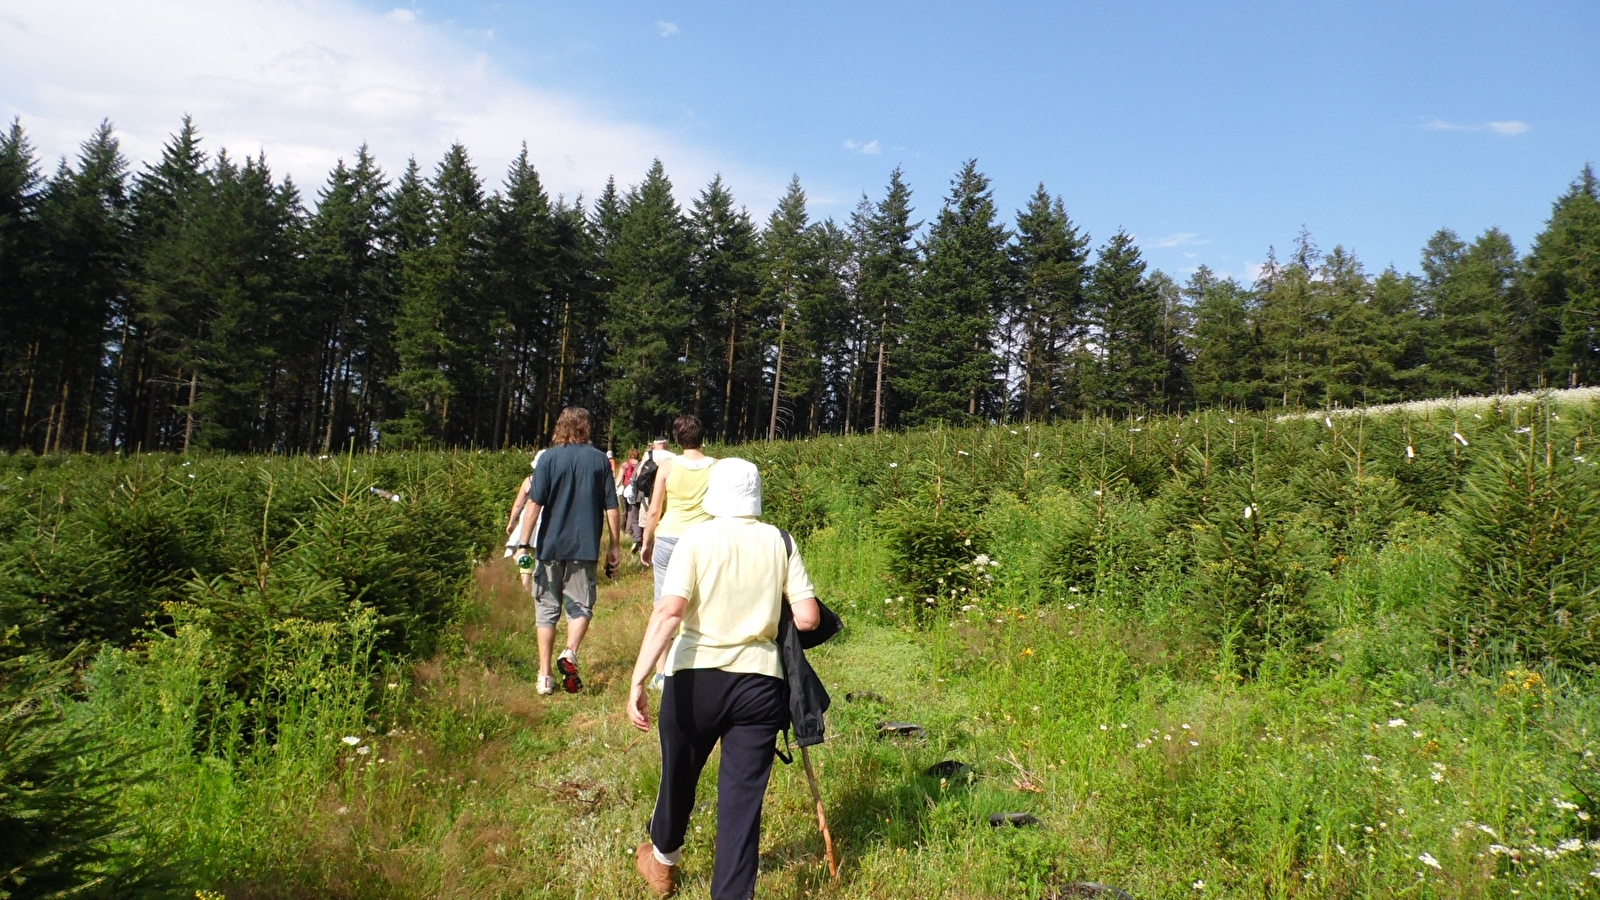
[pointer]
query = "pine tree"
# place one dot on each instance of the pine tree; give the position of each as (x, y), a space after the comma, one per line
(1132, 366)
(348, 274)
(947, 368)
(533, 337)
(725, 292)
(1560, 328)
(168, 283)
(786, 267)
(650, 314)
(82, 222)
(1223, 339)
(20, 250)
(885, 282)
(1465, 291)
(1050, 315)
(1292, 325)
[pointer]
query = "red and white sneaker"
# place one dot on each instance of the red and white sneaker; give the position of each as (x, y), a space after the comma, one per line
(567, 665)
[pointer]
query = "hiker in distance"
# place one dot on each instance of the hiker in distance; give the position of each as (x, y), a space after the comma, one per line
(721, 604)
(675, 503)
(572, 493)
(643, 484)
(518, 523)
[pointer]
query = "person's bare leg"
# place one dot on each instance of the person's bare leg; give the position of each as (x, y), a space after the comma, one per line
(547, 646)
(576, 629)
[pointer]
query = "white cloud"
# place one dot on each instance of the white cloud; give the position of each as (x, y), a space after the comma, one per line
(870, 148)
(667, 29)
(1508, 127)
(309, 83)
(1182, 239)
(1505, 129)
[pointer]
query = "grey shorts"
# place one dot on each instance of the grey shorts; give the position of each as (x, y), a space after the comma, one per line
(659, 557)
(555, 580)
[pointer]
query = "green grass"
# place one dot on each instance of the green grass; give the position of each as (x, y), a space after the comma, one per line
(1191, 701)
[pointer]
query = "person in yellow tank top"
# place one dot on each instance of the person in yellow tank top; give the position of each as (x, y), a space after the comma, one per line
(675, 504)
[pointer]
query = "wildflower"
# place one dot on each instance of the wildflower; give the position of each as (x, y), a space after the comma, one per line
(1397, 723)
(1570, 845)
(392, 685)
(1500, 850)
(894, 465)
(1105, 727)
(343, 810)
(1199, 884)
(1417, 735)
(351, 739)
(1563, 805)
(1437, 777)
(1194, 743)
(1027, 651)
(363, 750)
(1184, 726)
(1428, 860)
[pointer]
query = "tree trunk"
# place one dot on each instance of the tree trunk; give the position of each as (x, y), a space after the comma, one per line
(188, 413)
(727, 389)
(777, 381)
(877, 393)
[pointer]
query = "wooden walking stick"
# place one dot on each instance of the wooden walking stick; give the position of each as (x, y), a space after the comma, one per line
(822, 818)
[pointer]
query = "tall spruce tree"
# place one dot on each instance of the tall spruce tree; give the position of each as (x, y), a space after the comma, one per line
(725, 291)
(650, 314)
(886, 281)
(1561, 284)
(1223, 340)
(532, 337)
(1465, 292)
(787, 262)
(82, 218)
(1050, 314)
(1132, 367)
(170, 289)
(19, 251)
(347, 273)
(947, 369)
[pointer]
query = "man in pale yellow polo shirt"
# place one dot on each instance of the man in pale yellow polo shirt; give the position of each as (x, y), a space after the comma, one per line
(720, 605)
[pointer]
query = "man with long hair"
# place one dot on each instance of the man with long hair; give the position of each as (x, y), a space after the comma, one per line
(572, 491)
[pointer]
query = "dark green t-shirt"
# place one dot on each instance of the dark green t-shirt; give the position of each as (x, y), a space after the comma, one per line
(573, 488)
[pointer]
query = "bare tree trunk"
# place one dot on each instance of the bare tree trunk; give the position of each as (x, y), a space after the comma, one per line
(777, 380)
(61, 421)
(188, 413)
(877, 394)
(727, 389)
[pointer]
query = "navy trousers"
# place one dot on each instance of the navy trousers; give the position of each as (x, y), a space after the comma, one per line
(700, 707)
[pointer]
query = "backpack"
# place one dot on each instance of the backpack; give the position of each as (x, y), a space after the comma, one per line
(644, 479)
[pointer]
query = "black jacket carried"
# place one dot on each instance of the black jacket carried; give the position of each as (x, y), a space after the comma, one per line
(808, 699)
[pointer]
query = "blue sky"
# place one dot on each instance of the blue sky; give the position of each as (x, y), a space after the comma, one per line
(1210, 131)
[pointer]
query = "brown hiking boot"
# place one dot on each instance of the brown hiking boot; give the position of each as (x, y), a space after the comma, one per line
(663, 881)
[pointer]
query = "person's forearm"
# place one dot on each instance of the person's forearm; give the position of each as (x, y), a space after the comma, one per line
(525, 534)
(658, 634)
(614, 523)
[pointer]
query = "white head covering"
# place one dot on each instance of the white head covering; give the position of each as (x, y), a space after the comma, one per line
(733, 489)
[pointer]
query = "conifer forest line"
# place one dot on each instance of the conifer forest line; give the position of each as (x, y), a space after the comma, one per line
(199, 301)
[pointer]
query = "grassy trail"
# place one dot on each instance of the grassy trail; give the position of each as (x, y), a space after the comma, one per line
(515, 795)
